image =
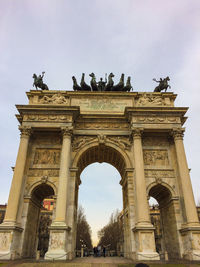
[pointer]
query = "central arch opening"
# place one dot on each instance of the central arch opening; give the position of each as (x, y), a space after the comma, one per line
(101, 168)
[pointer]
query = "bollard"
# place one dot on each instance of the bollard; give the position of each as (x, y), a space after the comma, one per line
(37, 255)
(81, 252)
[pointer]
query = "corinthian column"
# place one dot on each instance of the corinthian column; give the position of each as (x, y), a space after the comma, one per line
(190, 207)
(143, 229)
(141, 196)
(17, 181)
(61, 204)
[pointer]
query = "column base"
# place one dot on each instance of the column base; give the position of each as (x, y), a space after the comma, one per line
(10, 242)
(58, 242)
(145, 242)
(56, 255)
(190, 240)
(147, 256)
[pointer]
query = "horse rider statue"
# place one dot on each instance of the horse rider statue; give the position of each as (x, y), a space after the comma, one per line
(163, 84)
(38, 82)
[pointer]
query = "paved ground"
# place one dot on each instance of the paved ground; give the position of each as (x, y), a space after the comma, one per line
(113, 260)
(91, 262)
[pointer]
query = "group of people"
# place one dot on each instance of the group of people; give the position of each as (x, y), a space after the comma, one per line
(99, 251)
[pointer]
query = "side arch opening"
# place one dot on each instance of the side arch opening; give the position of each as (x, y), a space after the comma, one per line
(163, 217)
(38, 219)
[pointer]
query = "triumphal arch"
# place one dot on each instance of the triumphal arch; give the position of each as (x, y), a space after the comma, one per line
(140, 134)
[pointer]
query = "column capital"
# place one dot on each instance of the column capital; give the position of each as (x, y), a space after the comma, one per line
(137, 133)
(67, 131)
(178, 133)
(25, 131)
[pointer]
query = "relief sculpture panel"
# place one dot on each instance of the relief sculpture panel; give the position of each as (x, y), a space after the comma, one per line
(57, 241)
(47, 156)
(5, 241)
(152, 100)
(156, 157)
(54, 99)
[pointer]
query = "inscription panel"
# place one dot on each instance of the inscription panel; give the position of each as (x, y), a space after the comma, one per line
(98, 105)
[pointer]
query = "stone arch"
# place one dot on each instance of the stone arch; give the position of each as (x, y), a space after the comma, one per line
(169, 236)
(166, 185)
(38, 183)
(120, 152)
(109, 153)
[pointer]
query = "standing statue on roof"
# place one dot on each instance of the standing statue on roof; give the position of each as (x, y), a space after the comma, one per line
(102, 84)
(163, 84)
(38, 82)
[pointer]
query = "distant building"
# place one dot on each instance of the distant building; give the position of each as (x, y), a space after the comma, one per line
(2, 212)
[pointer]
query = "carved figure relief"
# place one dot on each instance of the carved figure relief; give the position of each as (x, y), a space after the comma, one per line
(196, 242)
(47, 156)
(80, 141)
(55, 99)
(57, 241)
(150, 100)
(5, 241)
(122, 142)
(156, 157)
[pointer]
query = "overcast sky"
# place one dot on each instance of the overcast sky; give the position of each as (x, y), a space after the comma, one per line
(144, 39)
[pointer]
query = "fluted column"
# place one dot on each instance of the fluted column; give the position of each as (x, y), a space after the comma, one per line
(17, 181)
(190, 207)
(141, 197)
(61, 204)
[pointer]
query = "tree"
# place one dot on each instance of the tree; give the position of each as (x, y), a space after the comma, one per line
(83, 234)
(112, 234)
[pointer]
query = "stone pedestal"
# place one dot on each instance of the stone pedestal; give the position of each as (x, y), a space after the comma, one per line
(57, 243)
(191, 243)
(145, 243)
(10, 238)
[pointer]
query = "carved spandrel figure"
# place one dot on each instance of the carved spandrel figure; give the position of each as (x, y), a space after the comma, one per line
(163, 84)
(38, 82)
